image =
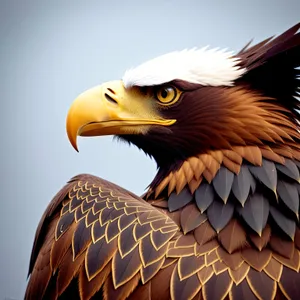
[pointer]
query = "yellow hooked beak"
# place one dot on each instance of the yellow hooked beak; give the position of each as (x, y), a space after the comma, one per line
(111, 109)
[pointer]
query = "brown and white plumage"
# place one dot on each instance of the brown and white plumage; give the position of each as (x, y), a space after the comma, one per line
(221, 218)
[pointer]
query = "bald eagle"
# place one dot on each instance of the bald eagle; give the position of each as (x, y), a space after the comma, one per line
(220, 220)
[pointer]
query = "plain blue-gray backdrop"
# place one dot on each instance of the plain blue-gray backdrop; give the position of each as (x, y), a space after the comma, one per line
(50, 51)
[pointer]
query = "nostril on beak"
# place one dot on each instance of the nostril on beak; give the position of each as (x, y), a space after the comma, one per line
(110, 99)
(112, 91)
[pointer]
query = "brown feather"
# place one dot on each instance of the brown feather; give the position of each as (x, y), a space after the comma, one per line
(274, 269)
(261, 284)
(184, 288)
(256, 259)
(219, 155)
(124, 269)
(160, 284)
(179, 252)
(98, 255)
(187, 266)
(239, 274)
(172, 183)
(292, 263)
(289, 283)
(61, 246)
(188, 172)
(282, 246)
(233, 156)
(142, 292)
(41, 272)
(211, 257)
(191, 218)
(233, 236)
(233, 260)
(121, 293)
(205, 274)
(232, 166)
(185, 241)
(180, 180)
(211, 164)
(88, 288)
(242, 291)
(204, 233)
(194, 184)
(148, 253)
(297, 238)
(162, 186)
(42, 228)
(219, 267)
(207, 247)
(261, 241)
(217, 287)
(169, 261)
(269, 154)
(68, 269)
(150, 271)
(197, 166)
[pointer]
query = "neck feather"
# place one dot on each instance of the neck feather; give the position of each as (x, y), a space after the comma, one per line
(204, 167)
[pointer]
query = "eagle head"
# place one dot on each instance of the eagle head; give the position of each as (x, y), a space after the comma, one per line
(193, 101)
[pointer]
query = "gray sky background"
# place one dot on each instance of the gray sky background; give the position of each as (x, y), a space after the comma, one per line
(50, 51)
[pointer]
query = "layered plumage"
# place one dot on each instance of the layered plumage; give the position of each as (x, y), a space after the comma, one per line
(221, 218)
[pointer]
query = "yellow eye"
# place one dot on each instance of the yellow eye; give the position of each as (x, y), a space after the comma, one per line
(167, 94)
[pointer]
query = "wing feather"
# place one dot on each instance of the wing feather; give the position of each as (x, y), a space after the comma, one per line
(91, 233)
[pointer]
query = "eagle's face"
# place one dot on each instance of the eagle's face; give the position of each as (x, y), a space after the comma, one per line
(165, 106)
(178, 105)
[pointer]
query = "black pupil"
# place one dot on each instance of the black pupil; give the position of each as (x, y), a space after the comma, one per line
(164, 93)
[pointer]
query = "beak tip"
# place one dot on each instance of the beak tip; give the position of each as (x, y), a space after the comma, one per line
(73, 141)
(74, 145)
(72, 133)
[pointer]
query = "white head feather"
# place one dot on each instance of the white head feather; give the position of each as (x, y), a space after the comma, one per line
(203, 66)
